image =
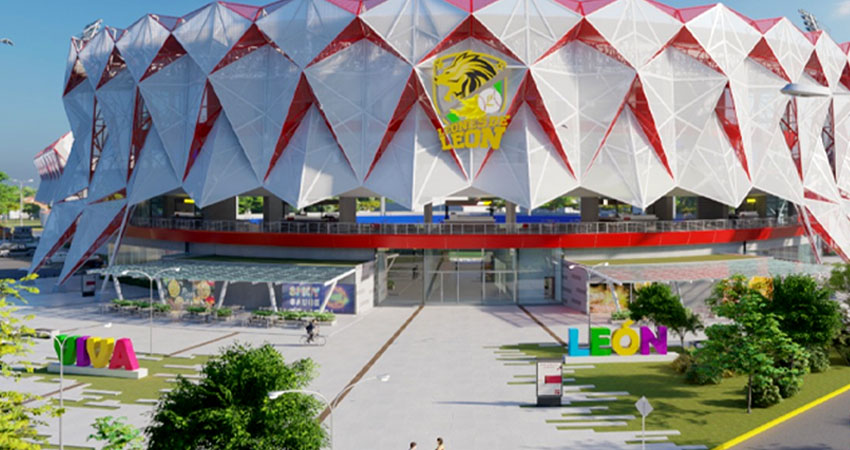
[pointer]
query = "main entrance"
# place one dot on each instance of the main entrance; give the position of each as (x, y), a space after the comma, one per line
(470, 276)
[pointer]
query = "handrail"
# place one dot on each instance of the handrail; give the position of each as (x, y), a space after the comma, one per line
(317, 227)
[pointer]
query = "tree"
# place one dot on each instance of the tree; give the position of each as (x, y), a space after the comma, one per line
(657, 303)
(9, 198)
(229, 408)
(250, 205)
(755, 346)
(805, 311)
(18, 420)
(368, 204)
(117, 434)
(32, 209)
(839, 278)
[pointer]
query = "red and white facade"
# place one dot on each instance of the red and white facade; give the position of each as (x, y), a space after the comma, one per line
(310, 99)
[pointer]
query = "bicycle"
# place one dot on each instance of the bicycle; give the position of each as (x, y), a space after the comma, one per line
(318, 340)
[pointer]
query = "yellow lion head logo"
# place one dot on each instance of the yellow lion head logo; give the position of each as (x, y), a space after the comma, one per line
(463, 73)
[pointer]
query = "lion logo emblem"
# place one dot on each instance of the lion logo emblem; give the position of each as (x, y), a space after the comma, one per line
(468, 85)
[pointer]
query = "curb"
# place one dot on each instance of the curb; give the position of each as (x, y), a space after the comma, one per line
(731, 443)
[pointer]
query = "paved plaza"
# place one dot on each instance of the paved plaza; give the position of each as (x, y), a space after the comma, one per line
(446, 378)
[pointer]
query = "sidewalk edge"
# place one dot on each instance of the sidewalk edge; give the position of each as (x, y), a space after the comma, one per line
(733, 442)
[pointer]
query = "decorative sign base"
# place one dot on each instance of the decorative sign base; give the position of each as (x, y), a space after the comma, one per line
(104, 372)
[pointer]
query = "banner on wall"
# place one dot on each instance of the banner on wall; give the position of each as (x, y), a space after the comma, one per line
(602, 300)
(574, 287)
(309, 297)
(183, 293)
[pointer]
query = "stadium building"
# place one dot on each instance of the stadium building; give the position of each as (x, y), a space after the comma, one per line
(435, 103)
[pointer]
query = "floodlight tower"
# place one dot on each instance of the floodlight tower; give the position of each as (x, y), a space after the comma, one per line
(90, 30)
(810, 22)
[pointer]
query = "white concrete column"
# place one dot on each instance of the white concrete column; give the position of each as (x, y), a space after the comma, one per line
(589, 209)
(272, 298)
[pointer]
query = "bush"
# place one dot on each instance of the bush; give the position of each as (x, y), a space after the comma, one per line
(818, 360)
(196, 309)
(141, 304)
(683, 362)
(121, 303)
(325, 316)
(223, 312)
(702, 374)
(788, 385)
(620, 315)
(161, 307)
(263, 313)
(805, 310)
(765, 393)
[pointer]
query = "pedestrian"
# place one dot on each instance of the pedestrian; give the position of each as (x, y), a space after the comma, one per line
(440, 444)
(413, 446)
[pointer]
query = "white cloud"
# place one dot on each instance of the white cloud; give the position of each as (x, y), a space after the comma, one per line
(843, 8)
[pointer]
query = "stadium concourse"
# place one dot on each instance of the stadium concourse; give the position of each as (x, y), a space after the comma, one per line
(420, 101)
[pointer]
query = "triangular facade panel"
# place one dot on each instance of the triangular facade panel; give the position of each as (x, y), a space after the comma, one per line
(98, 222)
(210, 33)
(141, 43)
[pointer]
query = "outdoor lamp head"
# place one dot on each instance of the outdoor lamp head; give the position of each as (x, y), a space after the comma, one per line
(571, 266)
(275, 394)
(384, 377)
(107, 325)
(805, 90)
(605, 264)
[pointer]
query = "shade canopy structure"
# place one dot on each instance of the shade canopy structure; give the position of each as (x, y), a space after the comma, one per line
(233, 272)
(420, 100)
(709, 270)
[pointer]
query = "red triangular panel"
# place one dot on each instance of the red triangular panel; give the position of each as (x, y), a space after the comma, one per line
(170, 51)
(763, 54)
(355, 31)
(828, 138)
(764, 25)
(813, 36)
(114, 66)
(78, 75)
(845, 77)
(689, 14)
(636, 100)
(685, 42)
(815, 70)
(788, 124)
(728, 116)
(587, 34)
(141, 126)
(207, 115)
(249, 12)
(250, 41)
(845, 47)
(589, 6)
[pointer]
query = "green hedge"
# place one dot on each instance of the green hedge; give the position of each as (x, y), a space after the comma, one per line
(307, 315)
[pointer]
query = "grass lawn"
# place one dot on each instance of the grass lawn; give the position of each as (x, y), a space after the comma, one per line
(677, 259)
(707, 415)
(131, 390)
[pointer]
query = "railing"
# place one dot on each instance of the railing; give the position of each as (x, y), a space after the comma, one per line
(460, 228)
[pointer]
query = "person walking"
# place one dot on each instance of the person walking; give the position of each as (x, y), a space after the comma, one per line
(440, 444)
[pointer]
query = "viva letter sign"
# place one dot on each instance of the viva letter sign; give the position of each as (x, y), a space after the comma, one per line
(601, 337)
(96, 352)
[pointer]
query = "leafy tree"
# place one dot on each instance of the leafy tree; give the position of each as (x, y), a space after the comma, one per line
(755, 346)
(560, 203)
(117, 434)
(805, 311)
(368, 204)
(9, 198)
(839, 278)
(252, 205)
(18, 420)
(657, 303)
(229, 408)
(32, 209)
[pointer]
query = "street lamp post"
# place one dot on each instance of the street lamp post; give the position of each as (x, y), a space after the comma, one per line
(21, 192)
(809, 90)
(150, 297)
(330, 404)
(591, 269)
(55, 335)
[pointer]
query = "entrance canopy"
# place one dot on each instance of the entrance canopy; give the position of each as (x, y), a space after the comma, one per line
(708, 270)
(233, 272)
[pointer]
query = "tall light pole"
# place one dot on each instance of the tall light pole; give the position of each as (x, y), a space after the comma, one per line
(150, 296)
(21, 192)
(809, 90)
(330, 404)
(55, 337)
(591, 269)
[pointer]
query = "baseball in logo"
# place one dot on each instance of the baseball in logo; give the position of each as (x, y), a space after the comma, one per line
(469, 93)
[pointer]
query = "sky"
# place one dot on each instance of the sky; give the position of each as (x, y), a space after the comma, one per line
(31, 72)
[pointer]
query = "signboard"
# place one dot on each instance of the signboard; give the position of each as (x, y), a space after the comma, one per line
(309, 297)
(574, 287)
(470, 95)
(184, 293)
(643, 406)
(623, 341)
(549, 382)
(92, 355)
(89, 281)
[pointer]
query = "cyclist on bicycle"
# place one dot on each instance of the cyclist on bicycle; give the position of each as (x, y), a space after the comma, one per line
(312, 330)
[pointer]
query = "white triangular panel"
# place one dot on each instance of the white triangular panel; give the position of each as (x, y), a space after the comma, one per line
(116, 100)
(528, 27)
(582, 90)
(682, 94)
(173, 96)
(791, 48)
(95, 55)
(505, 173)
(832, 59)
(627, 168)
(636, 28)
(414, 27)
(210, 33)
(760, 106)
(359, 89)
(153, 164)
(711, 168)
(141, 43)
(811, 115)
(69, 63)
(62, 217)
(255, 92)
(221, 170)
(303, 177)
(724, 35)
(97, 222)
(303, 28)
(841, 105)
(548, 176)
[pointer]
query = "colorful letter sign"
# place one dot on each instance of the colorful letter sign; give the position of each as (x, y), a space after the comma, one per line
(97, 352)
(600, 340)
